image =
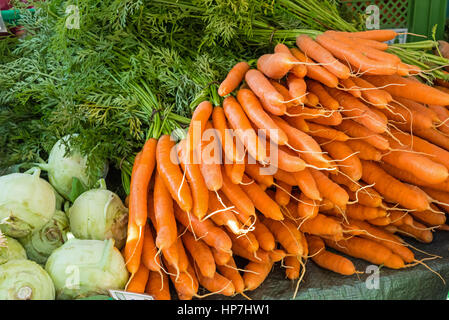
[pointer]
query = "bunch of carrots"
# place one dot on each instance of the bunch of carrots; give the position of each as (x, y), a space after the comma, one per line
(362, 159)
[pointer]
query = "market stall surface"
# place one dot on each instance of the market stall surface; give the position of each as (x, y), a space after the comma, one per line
(412, 283)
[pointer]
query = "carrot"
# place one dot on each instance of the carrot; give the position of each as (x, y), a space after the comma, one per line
(185, 283)
(171, 174)
(354, 57)
(394, 243)
(321, 225)
(195, 180)
(264, 236)
(211, 159)
(306, 112)
(225, 136)
(292, 267)
(307, 208)
(283, 192)
(382, 221)
(430, 218)
(392, 188)
(315, 71)
(408, 177)
(432, 136)
(256, 172)
(356, 130)
(139, 280)
(368, 250)
(233, 78)
(166, 231)
(399, 218)
(149, 258)
(297, 88)
(243, 129)
(206, 230)
(443, 116)
(286, 177)
(284, 158)
(314, 50)
(326, 132)
(422, 167)
(267, 206)
(365, 150)
(223, 217)
(406, 117)
(230, 272)
(298, 69)
(217, 283)
(417, 231)
(351, 87)
(275, 65)
(260, 85)
(418, 107)
(362, 114)
(286, 234)
(157, 286)
(256, 274)
(367, 196)
(239, 199)
(277, 255)
(306, 183)
(377, 35)
(248, 241)
(348, 162)
(284, 92)
(144, 167)
(311, 99)
(259, 117)
(328, 260)
(376, 97)
(200, 253)
(361, 212)
(406, 88)
(324, 98)
(197, 125)
(441, 196)
(260, 255)
(329, 189)
(310, 150)
(221, 257)
(133, 246)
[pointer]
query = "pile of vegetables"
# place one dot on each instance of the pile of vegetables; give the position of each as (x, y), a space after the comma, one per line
(54, 249)
(360, 161)
(346, 106)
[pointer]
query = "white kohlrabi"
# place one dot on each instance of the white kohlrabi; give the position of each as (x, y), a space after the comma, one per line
(99, 214)
(63, 167)
(41, 243)
(82, 268)
(25, 280)
(27, 202)
(10, 249)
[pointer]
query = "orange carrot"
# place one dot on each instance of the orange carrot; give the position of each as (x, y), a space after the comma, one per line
(314, 50)
(348, 161)
(355, 130)
(195, 179)
(392, 188)
(196, 127)
(210, 164)
(284, 176)
(171, 174)
(292, 267)
(275, 65)
(326, 132)
(368, 250)
(221, 257)
(418, 231)
(286, 234)
(329, 189)
(139, 280)
(166, 231)
(315, 71)
(351, 87)
(324, 98)
(256, 274)
(206, 230)
(233, 78)
(230, 272)
(297, 89)
(321, 225)
(260, 85)
(256, 172)
(307, 208)
(298, 69)
(224, 135)
(217, 283)
(158, 286)
(150, 259)
(361, 212)
(328, 260)
(365, 150)
(200, 253)
(283, 192)
(306, 183)
(311, 100)
(376, 97)
(406, 88)
(259, 117)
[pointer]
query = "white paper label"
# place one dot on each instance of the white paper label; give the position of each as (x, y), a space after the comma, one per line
(124, 295)
(2, 24)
